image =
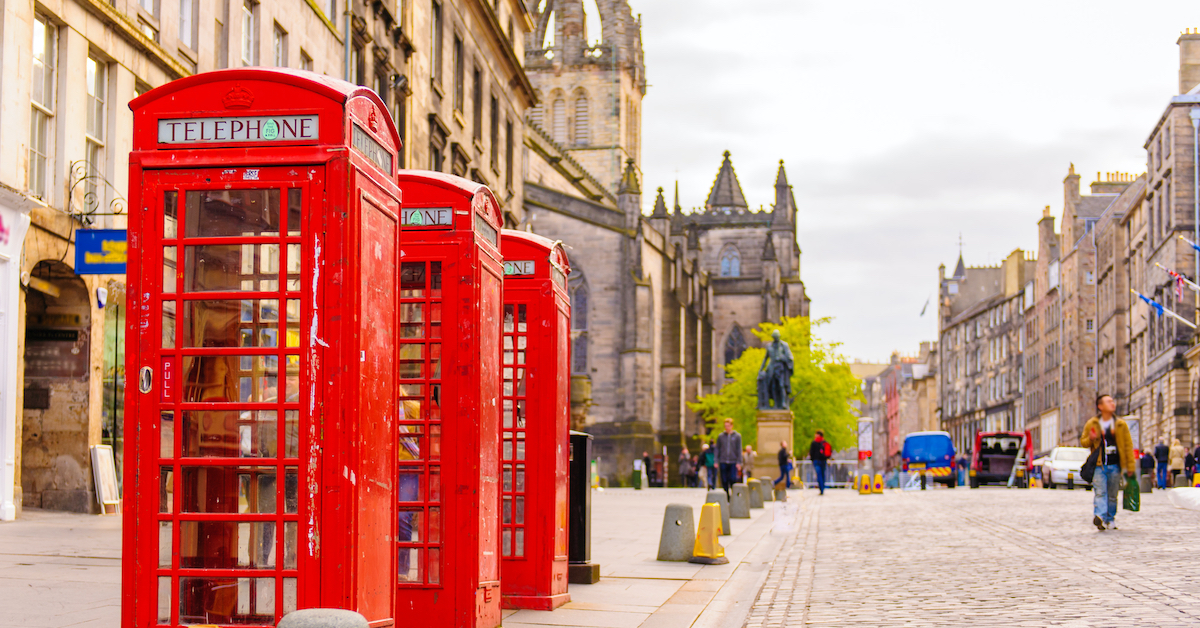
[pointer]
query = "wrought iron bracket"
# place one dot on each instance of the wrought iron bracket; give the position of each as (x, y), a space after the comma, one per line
(84, 205)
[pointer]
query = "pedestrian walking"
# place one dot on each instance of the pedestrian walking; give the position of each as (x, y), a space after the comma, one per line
(694, 480)
(1189, 467)
(1109, 435)
(729, 456)
(1148, 464)
(710, 466)
(685, 466)
(819, 451)
(1162, 455)
(785, 465)
(748, 463)
(1178, 457)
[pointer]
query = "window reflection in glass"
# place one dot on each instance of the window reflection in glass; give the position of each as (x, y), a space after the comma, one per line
(204, 600)
(232, 213)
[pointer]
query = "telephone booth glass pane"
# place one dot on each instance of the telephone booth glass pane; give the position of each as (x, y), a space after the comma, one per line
(229, 508)
(512, 435)
(419, 443)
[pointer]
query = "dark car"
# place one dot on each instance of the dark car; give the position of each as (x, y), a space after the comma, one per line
(995, 454)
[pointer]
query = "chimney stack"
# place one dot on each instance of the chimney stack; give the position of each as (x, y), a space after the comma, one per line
(1189, 60)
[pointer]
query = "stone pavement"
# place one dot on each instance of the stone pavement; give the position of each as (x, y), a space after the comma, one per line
(61, 569)
(988, 557)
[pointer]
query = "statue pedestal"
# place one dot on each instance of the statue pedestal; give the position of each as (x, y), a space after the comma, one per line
(774, 426)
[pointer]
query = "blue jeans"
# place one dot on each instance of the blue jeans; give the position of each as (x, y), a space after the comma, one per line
(1105, 485)
(819, 467)
(785, 475)
(1162, 475)
(712, 477)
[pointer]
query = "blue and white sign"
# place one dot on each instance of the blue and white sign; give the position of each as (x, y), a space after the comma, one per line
(101, 251)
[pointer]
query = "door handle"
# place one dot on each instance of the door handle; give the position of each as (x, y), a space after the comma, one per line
(145, 379)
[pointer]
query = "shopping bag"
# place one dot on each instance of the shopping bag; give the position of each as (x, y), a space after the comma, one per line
(1133, 495)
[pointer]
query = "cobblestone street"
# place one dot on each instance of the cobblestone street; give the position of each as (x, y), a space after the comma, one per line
(987, 557)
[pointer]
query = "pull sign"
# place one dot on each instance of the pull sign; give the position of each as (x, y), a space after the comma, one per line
(145, 379)
(168, 379)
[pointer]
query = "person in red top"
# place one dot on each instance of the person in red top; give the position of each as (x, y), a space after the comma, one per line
(819, 451)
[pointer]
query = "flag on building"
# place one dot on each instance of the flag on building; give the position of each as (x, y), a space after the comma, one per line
(1158, 307)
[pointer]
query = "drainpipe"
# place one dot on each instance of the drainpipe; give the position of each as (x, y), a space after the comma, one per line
(347, 35)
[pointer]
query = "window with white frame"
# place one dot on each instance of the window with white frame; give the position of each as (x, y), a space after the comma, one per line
(249, 33)
(1091, 372)
(579, 325)
(279, 41)
(731, 262)
(187, 23)
(97, 92)
(306, 62)
(42, 96)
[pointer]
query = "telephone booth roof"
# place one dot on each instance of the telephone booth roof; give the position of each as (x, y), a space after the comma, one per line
(516, 244)
(421, 187)
(247, 91)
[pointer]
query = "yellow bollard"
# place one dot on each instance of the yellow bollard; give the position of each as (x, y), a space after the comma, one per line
(878, 488)
(707, 550)
(1196, 480)
(864, 484)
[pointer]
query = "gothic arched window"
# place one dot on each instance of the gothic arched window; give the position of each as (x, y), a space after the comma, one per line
(731, 262)
(559, 119)
(583, 135)
(735, 344)
(579, 325)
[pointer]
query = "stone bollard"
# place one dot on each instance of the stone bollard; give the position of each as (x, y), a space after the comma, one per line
(781, 494)
(754, 488)
(767, 484)
(739, 505)
(1146, 483)
(678, 534)
(719, 497)
(323, 618)
(1181, 481)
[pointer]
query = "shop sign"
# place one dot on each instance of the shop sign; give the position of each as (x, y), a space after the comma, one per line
(101, 251)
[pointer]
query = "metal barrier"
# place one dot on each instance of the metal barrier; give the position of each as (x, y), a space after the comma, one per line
(838, 473)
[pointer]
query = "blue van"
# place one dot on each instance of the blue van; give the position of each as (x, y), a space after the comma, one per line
(930, 453)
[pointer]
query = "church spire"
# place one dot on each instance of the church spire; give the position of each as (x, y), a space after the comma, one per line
(783, 214)
(660, 206)
(678, 209)
(726, 192)
(629, 180)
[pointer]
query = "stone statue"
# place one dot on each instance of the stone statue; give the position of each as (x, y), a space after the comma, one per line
(775, 376)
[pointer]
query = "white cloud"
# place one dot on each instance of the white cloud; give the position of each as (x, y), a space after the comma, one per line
(902, 124)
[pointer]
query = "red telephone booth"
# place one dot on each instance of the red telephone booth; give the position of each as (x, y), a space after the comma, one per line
(263, 287)
(535, 422)
(451, 280)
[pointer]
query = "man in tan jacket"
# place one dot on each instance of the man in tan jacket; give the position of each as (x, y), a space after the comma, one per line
(1111, 436)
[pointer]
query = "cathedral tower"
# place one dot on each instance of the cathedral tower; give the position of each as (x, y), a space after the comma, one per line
(590, 79)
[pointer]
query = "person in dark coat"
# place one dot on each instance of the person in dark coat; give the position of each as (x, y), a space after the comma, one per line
(820, 451)
(709, 463)
(1162, 455)
(729, 456)
(785, 465)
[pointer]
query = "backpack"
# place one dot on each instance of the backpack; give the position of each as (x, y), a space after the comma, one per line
(828, 450)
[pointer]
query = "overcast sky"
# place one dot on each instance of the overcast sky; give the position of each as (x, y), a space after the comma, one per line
(902, 124)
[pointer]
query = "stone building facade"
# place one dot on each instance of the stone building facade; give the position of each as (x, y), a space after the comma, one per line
(451, 72)
(660, 301)
(1113, 373)
(981, 318)
(1043, 340)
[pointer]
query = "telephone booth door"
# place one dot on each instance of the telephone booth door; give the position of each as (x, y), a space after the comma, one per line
(260, 475)
(535, 422)
(450, 304)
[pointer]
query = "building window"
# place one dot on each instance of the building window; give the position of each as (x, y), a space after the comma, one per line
(459, 74)
(249, 33)
(477, 105)
(357, 65)
(731, 262)
(508, 153)
(537, 113)
(438, 42)
(582, 128)
(558, 113)
(45, 45)
(735, 344)
(97, 92)
(1090, 324)
(279, 46)
(187, 22)
(1091, 372)
(579, 326)
(306, 62)
(495, 135)
(332, 11)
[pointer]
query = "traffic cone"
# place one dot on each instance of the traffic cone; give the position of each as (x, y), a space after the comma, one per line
(707, 550)
(878, 488)
(1196, 480)
(864, 484)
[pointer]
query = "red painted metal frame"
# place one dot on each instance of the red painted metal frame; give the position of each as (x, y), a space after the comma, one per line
(333, 517)
(535, 422)
(453, 575)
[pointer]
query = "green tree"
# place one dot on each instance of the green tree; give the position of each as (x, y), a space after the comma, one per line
(822, 389)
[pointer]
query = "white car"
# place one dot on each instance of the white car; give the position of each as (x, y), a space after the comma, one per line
(1062, 465)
